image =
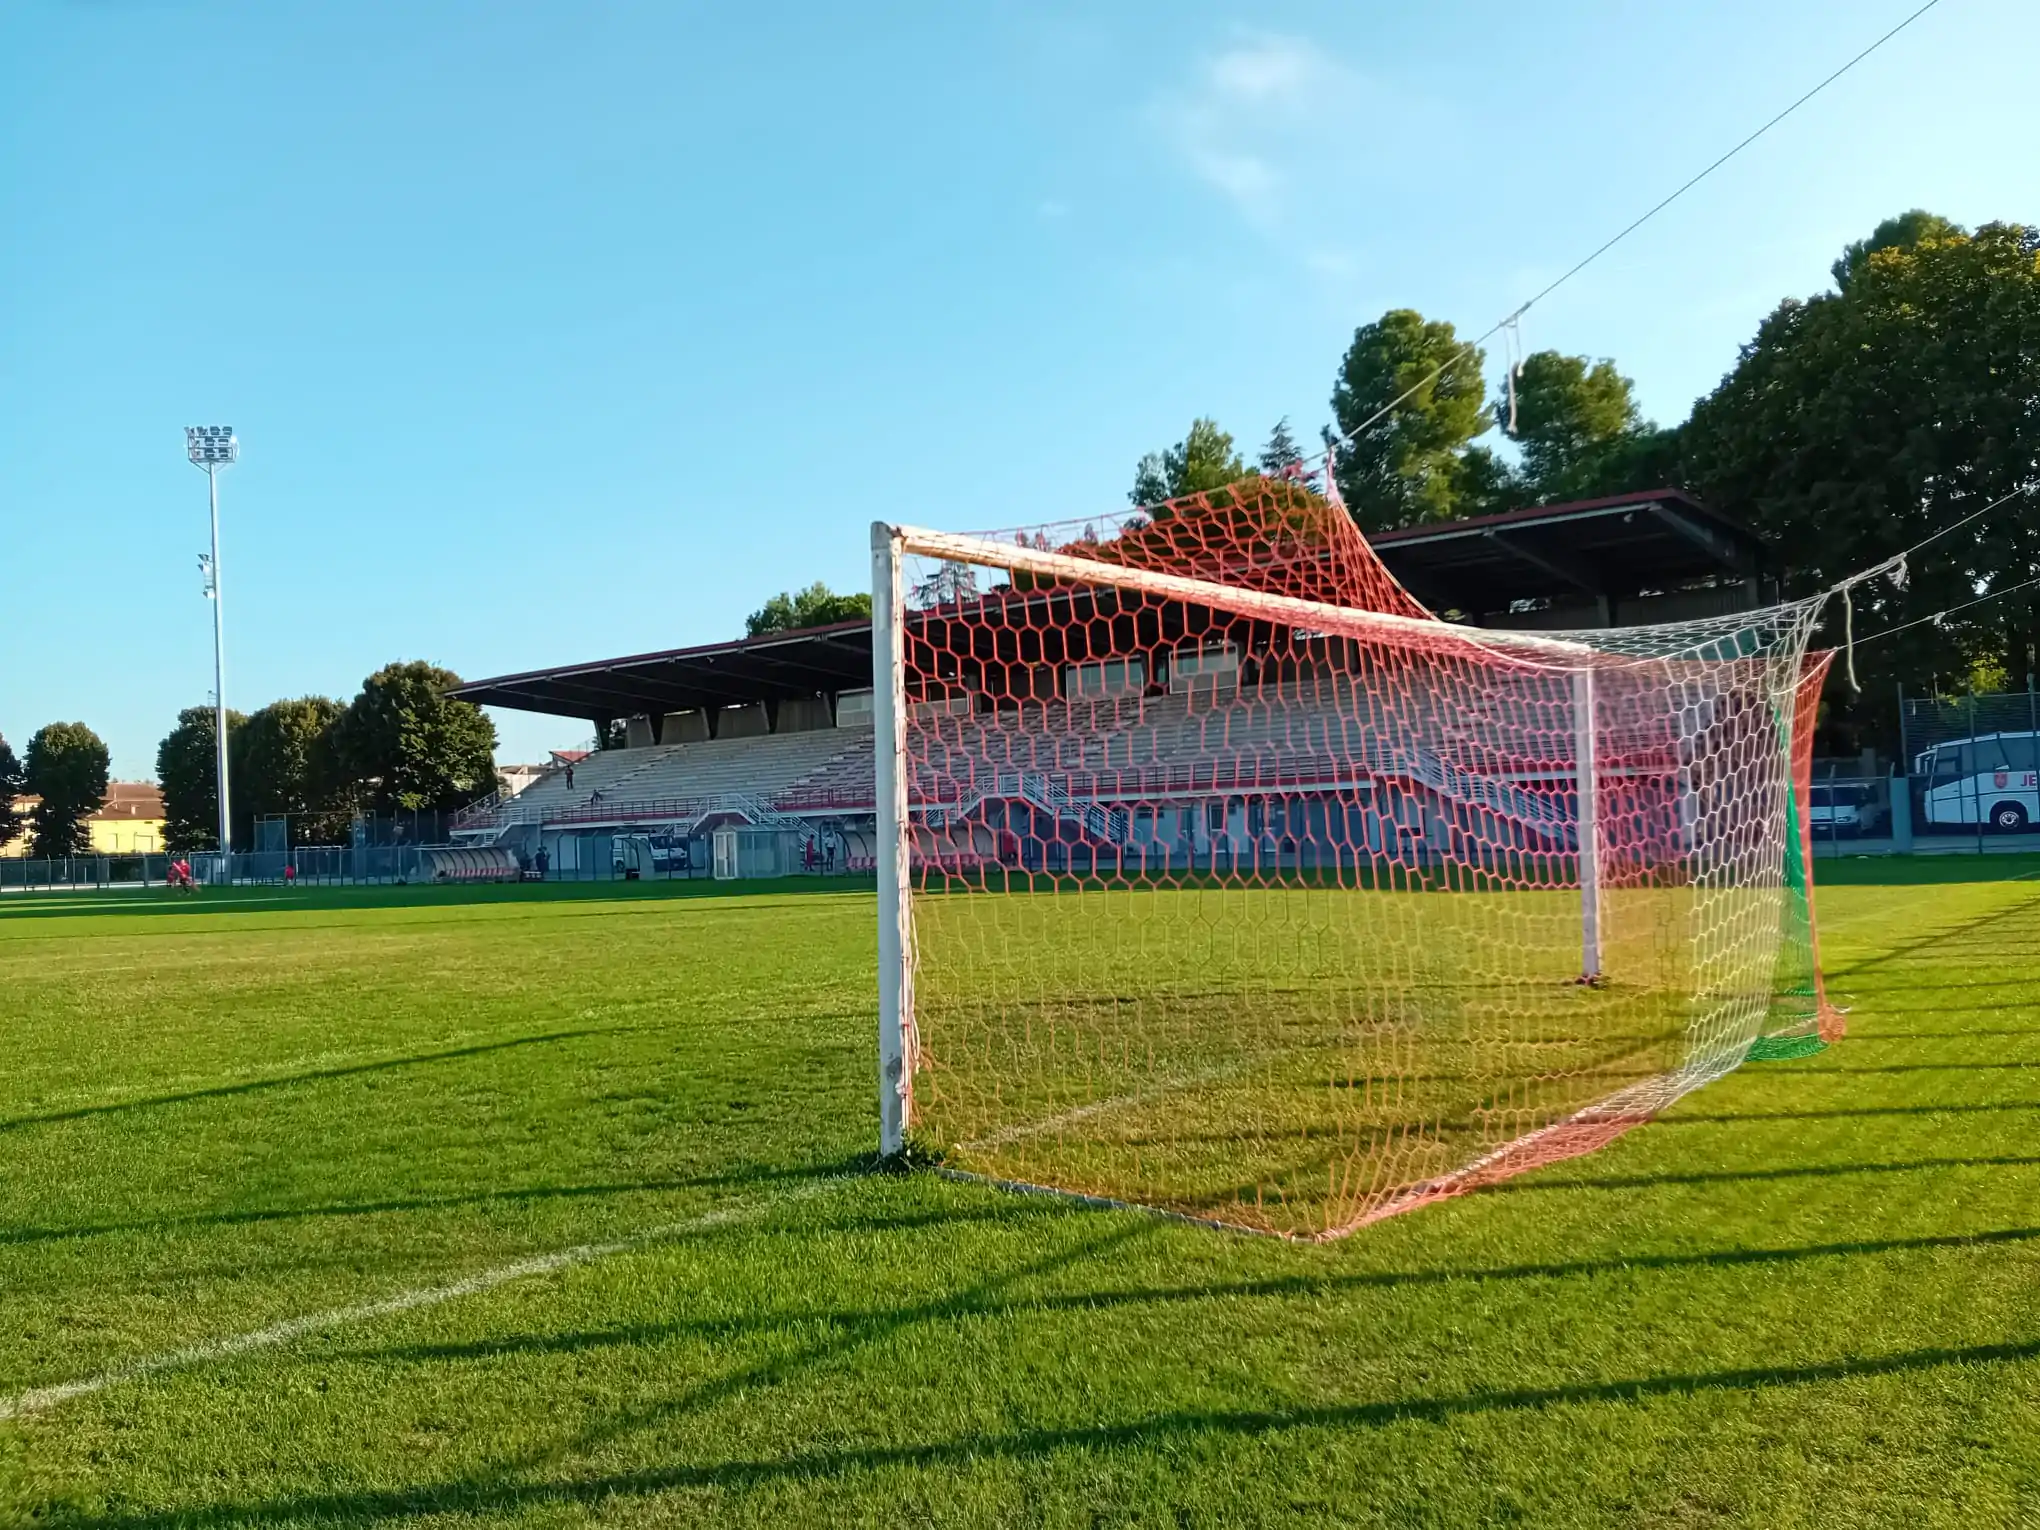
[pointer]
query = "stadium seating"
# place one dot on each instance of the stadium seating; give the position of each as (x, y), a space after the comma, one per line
(1110, 746)
(763, 766)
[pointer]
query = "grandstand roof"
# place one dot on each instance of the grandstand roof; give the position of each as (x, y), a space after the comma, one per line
(1613, 547)
(771, 668)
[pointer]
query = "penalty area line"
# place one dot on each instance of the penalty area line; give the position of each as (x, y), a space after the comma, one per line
(42, 1399)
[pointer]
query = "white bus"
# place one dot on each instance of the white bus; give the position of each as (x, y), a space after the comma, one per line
(1992, 779)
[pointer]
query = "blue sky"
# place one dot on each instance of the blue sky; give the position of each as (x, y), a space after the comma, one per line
(555, 331)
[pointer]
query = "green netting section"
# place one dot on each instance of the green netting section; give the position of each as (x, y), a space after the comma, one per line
(1784, 1048)
(1791, 1028)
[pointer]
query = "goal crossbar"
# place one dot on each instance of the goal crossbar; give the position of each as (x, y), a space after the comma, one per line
(1290, 610)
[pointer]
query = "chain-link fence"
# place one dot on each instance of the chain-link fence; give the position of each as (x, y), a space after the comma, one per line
(584, 857)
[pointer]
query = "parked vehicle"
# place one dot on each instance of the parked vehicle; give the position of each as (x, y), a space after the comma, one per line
(1991, 779)
(1844, 810)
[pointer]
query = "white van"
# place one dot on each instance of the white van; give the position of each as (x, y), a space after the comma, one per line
(1993, 779)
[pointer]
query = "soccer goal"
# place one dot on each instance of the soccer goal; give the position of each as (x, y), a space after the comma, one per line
(1220, 877)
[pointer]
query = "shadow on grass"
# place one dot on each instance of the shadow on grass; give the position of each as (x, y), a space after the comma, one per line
(859, 1325)
(1839, 1113)
(315, 1075)
(1949, 941)
(1954, 1033)
(214, 1221)
(500, 1491)
(1529, 1182)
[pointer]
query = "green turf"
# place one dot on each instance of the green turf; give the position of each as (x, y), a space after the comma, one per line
(1809, 1296)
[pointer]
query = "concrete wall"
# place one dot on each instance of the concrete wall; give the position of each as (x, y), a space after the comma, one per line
(804, 714)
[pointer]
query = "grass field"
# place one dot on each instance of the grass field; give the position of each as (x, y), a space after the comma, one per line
(444, 1208)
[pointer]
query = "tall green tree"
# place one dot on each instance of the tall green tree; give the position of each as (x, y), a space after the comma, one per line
(10, 788)
(1578, 427)
(284, 764)
(189, 776)
(1282, 454)
(67, 768)
(1204, 459)
(815, 606)
(1859, 421)
(404, 743)
(1409, 465)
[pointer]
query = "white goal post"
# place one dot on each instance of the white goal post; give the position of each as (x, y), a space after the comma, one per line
(1412, 837)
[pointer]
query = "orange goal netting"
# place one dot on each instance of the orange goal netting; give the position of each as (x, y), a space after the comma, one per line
(1230, 881)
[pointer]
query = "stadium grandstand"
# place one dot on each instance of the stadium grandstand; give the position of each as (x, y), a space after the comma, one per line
(754, 757)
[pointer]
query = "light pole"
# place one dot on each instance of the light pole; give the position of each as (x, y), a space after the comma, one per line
(212, 447)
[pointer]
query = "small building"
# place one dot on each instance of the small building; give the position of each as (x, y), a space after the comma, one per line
(129, 822)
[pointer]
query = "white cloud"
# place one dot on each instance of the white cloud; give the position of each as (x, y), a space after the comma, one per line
(1052, 209)
(1267, 67)
(1261, 121)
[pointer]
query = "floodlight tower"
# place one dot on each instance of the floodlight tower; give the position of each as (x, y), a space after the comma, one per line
(212, 447)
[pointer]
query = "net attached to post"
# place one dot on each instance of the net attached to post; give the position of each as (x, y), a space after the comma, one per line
(1242, 888)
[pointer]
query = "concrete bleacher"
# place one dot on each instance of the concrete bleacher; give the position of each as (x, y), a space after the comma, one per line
(624, 781)
(600, 771)
(1106, 746)
(762, 767)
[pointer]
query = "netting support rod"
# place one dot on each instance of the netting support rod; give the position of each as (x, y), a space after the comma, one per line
(1588, 833)
(889, 720)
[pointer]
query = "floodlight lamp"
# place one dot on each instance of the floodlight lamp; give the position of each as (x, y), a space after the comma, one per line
(210, 446)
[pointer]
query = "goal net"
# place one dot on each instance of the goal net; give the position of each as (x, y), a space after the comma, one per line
(1218, 876)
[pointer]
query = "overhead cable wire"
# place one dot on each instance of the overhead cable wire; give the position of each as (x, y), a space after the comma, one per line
(1333, 442)
(2010, 589)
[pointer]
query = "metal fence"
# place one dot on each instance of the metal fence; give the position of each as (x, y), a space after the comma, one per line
(589, 858)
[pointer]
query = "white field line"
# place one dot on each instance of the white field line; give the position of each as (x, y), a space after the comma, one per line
(42, 1399)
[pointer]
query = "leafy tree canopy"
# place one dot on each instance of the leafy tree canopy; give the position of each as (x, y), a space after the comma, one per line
(186, 770)
(407, 744)
(284, 762)
(1408, 465)
(1579, 429)
(67, 768)
(1857, 422)
(1204, 459)
(1900, 233)
(815, 606)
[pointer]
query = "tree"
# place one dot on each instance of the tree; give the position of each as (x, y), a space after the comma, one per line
(188, 772)
(10, 788)
(284, 764)
(1860, 421)
(404, 743)
(815, 606)
(1204, 459)
(1408, 465)
(1577, 422)
(1900, 233)
(1282, 454)
(66, 768)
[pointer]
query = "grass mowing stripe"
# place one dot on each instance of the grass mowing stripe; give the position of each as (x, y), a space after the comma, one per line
(1622, 1342)
(42, 1399)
